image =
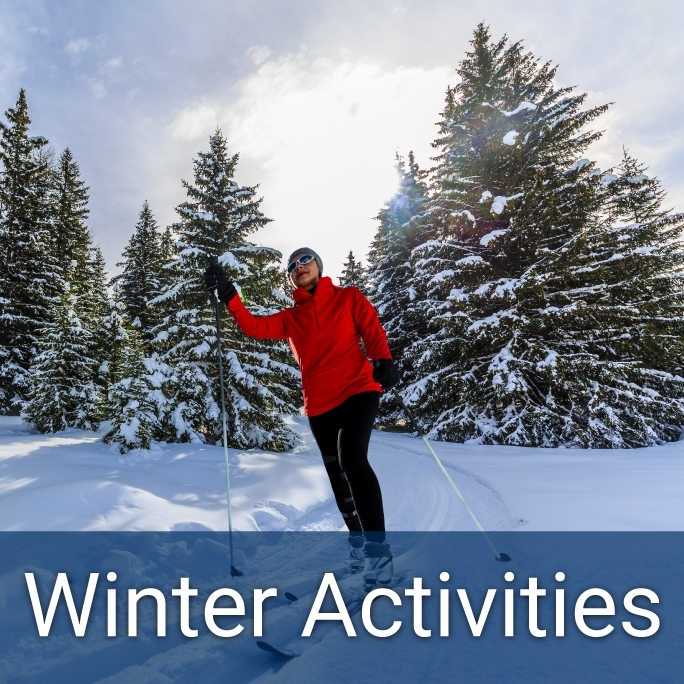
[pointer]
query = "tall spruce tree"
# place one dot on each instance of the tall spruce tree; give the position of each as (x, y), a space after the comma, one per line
(74, 287)
(517, 274)
(623, 278)
(354, 274)
(260, 382)
(115, 331)
(132, 403)
(82, 273)
(95, 306)
(61, 389)
(168, 256)
(390, 275)
(27, 268)
(71, 237)
(142, 278)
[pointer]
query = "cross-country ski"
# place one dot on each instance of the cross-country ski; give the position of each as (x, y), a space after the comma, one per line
(352, 596)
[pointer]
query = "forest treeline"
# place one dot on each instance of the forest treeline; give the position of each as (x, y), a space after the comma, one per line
(530, 298)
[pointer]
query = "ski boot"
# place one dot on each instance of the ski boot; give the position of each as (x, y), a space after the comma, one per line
(378, 570)
(357, 560)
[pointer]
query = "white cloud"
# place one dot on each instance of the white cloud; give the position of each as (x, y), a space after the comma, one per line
(259, 53)
(76, 47)
(112, 65)
(105, 77)
(98, 90)
(320, 137)
(194, 122)
(10, 67)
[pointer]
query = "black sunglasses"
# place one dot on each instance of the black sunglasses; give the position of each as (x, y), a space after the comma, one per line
(303, 260)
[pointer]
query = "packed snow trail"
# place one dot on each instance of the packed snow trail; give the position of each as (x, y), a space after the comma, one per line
(72, 481)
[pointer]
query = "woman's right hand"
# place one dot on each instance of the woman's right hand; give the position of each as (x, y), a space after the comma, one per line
(216, 280)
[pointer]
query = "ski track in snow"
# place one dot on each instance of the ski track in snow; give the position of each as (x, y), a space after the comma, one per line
(430, 503)
(72, 481)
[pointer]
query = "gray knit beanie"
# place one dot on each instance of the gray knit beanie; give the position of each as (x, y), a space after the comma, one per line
(307, 250)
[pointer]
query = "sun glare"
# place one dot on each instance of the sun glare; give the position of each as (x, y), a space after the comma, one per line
(320, 137)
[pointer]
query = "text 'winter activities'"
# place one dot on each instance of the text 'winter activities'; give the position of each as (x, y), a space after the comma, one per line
(591, 611)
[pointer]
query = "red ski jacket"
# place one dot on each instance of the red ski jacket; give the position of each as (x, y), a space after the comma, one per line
(323, 331)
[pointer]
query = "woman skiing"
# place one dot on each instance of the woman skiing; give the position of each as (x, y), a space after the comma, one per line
(341, 391)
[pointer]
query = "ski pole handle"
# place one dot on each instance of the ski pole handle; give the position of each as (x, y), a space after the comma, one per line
(213, 262)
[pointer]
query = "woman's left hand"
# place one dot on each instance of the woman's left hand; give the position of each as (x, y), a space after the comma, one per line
(386, 373)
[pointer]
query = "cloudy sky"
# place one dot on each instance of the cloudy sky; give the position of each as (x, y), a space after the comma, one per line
(316, 95)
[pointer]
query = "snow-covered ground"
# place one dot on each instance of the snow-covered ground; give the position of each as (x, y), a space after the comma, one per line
(72, 481)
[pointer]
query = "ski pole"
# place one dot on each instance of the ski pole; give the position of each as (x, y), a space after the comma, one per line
(234, 572)
(501, 557)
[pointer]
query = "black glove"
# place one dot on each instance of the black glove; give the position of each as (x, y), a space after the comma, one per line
(215, 278)
(386, 373)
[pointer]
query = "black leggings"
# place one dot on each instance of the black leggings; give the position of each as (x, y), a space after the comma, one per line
(342, 435)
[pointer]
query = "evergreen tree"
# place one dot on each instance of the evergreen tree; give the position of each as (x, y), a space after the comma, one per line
(93, 306)
(168, 255)
(517, 274)
(354, 274)
(131, 406)
(142, 279)
(27, 270)
(260, 382)
(61, 390)
(115, 332)
(390, 277)
(633, 197)
(71, 237)
(81, 268)
(624, 280)
(52, 282)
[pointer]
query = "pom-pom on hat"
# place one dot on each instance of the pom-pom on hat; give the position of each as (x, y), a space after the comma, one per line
(307, 250)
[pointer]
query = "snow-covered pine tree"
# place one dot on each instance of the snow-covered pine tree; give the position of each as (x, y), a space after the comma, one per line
(71, 239)
(623, 279)
(89, 282)
(354, 274)
(61, 389)
(512, 294)
(633, 197)
(132, 405)
(141, 279)
(260, 382)
(27, 269)
(114, 332)
(168, 256)
(81, 269)
(132, 373)
(390, 274)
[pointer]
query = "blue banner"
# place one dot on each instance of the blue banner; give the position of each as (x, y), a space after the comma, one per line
(163, 607)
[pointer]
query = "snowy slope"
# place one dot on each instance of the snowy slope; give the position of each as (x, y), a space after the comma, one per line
(72, 481)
